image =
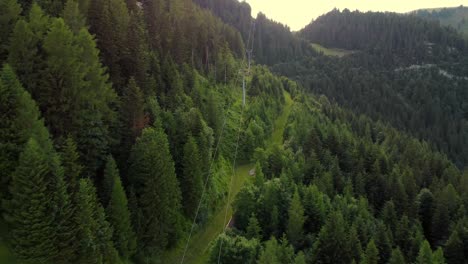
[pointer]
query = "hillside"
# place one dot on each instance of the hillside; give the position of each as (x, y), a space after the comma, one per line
(456, 17)
(395, 77)
(187, 131)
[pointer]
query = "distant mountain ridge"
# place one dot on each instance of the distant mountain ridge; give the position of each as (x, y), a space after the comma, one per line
(456, 17)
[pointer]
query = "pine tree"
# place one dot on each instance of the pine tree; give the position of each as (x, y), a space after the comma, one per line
(425, 253)
(24, 52)
(118, 214)
(296, 219)
(253, 229)
(454, 249)
(133, 120)
(383, 243)
(153, 178)
(331, 244)
(425, 205)
(31, 226)
(73, 16)
(438, 256)
(371, 255)
(259, 177)
(10, 12)
(192, 181)
(20, 121)
(71, 165)
(269, 254)
(95, 233)
(354, 244)
(52, 7)
(65, 217)
(109, 21)
(111, 173)
(137, 62)
(96, 115)
(397, 257)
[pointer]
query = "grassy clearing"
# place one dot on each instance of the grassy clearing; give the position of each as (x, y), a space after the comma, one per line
(200, 243)
(331, 52)
(281, 121)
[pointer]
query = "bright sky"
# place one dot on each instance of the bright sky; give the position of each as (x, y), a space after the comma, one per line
(298, 13)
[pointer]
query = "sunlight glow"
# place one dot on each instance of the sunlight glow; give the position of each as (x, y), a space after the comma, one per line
(298, 13)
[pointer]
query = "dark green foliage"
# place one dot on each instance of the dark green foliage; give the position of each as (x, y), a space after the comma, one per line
(94, 232)
(111, 174)
(118, 214)
(63, 72)
(10, 12)
(344, 185)
(371, 255)
(331, 245)
(253, 230)
(109, 21)
(71, 165)
(277, 253)
(456, 245)
(20, 121)
(73, 16)
(285, 46)
(425, 206)
(191, 183)
(28, 214)
(154, 181)
(234, 250)
(451, 16)
(405, 36)
(397, 257)
(296, 220)
(425, 253)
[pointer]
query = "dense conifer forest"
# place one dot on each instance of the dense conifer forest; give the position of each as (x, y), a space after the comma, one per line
(124, 137)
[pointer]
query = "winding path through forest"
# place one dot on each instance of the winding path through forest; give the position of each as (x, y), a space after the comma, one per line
(199, 246)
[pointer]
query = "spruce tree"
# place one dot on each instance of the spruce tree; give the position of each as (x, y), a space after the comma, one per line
(331, 245)
(153, 178)
(73, 17)
(20, 120)
(137, 60)
(253, 229)
(65, 217)
(296, 219)
(118, 214)
(371, 256)
(71, 165)
(111, 173)
(10, 12)
(438, 256)
(192, 180)
(269, 253)
(454, 249)
(25, 54)
(425, 253)
(109, 21)
(133, 120)
(95, 233)
(425, 206)
(32, 231)
(397, 257)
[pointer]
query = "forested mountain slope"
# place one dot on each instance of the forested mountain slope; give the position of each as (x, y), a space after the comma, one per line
(456, 17)
(394, 75)
(122, 125)
(274, 42)
(395, 38)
